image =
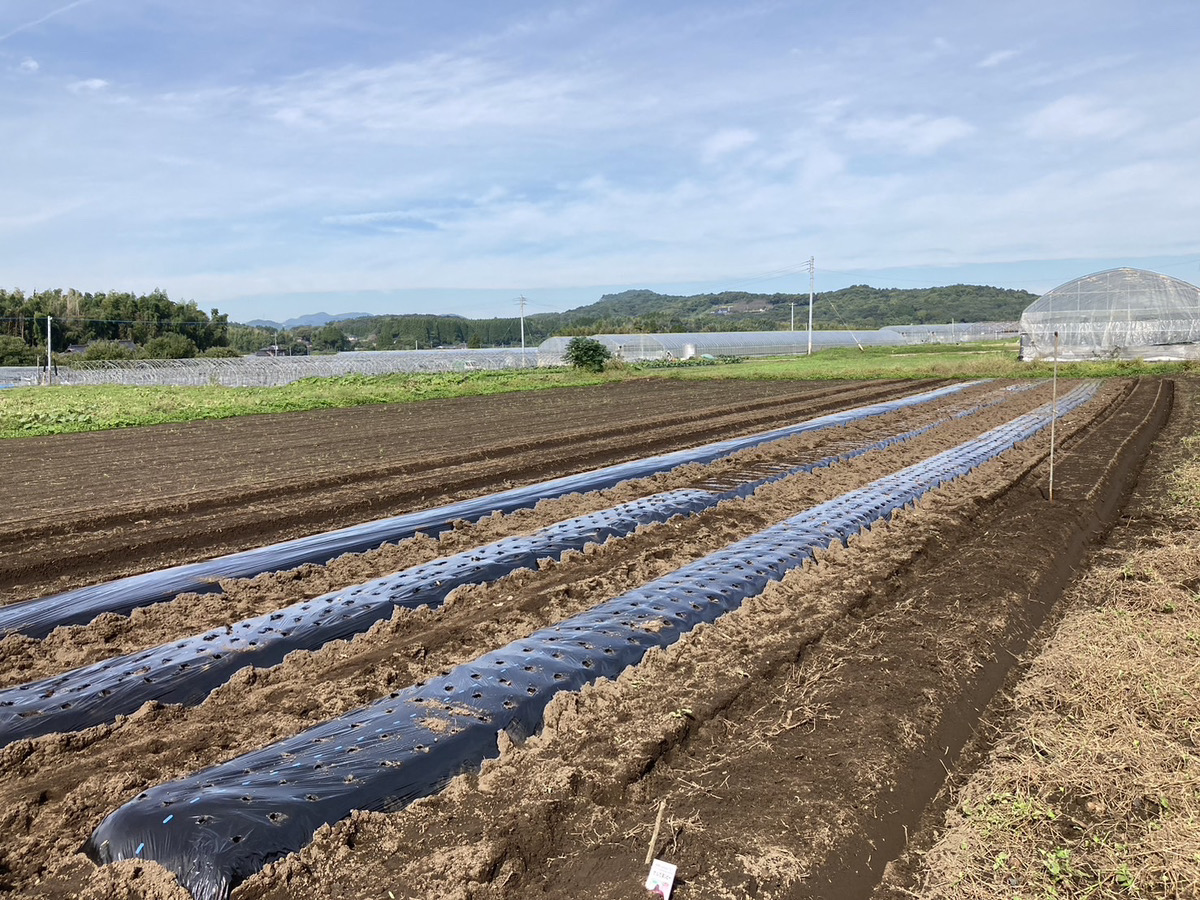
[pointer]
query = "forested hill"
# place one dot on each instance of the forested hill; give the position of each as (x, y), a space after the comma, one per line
(858, 306)
(630, 311)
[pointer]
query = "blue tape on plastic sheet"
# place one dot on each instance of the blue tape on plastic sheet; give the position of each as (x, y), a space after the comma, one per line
(37, 618)
(216, 828)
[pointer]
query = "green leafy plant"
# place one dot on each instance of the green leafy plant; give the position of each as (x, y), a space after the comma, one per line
(587, 353)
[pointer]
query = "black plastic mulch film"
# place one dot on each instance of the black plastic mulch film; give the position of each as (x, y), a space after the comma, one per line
(218, 827)
(37, 618)
(185, 670)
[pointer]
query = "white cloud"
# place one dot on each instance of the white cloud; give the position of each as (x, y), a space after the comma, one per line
(87, 86)
(441, 94)
(917, 134)
(385, 220)
(998, 57)
(726, 141)
(593, 151)
(28, 65)
(1051, 71)
(1079, 118)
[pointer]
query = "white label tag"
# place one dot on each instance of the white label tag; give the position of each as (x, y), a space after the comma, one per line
(662, 878)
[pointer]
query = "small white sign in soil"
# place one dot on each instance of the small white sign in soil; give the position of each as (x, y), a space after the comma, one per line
(662, 878)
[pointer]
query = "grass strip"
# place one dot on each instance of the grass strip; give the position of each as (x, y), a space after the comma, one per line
(40, 411)
(34, 411)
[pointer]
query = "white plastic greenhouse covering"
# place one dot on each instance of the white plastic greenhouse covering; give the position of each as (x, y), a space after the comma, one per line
(17, 376)
(266, 371)
(956, 332)
(1116, 314)
(269, 371)
(634, 347)
(689, 345)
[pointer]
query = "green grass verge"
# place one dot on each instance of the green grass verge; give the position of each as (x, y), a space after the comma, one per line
(34, 411)
(43, 410)
(984, 360)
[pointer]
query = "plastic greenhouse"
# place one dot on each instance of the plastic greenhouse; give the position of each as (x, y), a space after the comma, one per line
(689, 345)
(1116, 314)
(635, 347)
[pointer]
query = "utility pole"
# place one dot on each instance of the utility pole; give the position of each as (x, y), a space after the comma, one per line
(521, 300)
(49, 376)
(812, 260)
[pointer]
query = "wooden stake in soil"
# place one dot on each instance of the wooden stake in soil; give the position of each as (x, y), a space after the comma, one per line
(662, 806)
(1053, 415)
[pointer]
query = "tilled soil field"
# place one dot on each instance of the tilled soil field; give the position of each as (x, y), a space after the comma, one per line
(112, 503)
(793, 742)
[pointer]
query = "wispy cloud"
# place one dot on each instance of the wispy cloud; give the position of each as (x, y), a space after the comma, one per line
(996, 58)
(726, 141)
(390, 220)
(87, 86)
(918, 133)
(1079, 118)
(610, 143)
(40, 20)
(441, 94)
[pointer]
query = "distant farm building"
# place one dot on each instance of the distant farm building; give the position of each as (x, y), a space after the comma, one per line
(1116, 314)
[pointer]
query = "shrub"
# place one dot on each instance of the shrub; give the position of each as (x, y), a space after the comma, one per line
(587, 353)
(330, 337)
(13, 352)
(100, 350)
(169, 346)
(616, 365)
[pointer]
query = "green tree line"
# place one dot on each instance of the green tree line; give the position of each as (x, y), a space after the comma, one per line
(158, 325)
(408, 332)
(161, 327)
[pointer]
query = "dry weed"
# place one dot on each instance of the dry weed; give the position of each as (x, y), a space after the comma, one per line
(1095, 793)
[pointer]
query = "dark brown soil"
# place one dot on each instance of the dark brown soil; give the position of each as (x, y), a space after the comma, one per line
(133, 500)
(1147, 522)
(794, 741)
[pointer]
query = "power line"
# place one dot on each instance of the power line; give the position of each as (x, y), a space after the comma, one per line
(167, 321)
(1180, 265)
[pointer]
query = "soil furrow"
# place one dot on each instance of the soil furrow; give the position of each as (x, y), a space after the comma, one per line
(698, 728)
(793, 740)
(83, 542)
(52, 807)
(25, 659)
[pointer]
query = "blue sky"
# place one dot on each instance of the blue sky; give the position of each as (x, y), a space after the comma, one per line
(276, 158)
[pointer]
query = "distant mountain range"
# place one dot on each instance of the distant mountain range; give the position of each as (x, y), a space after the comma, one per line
(321, 318)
